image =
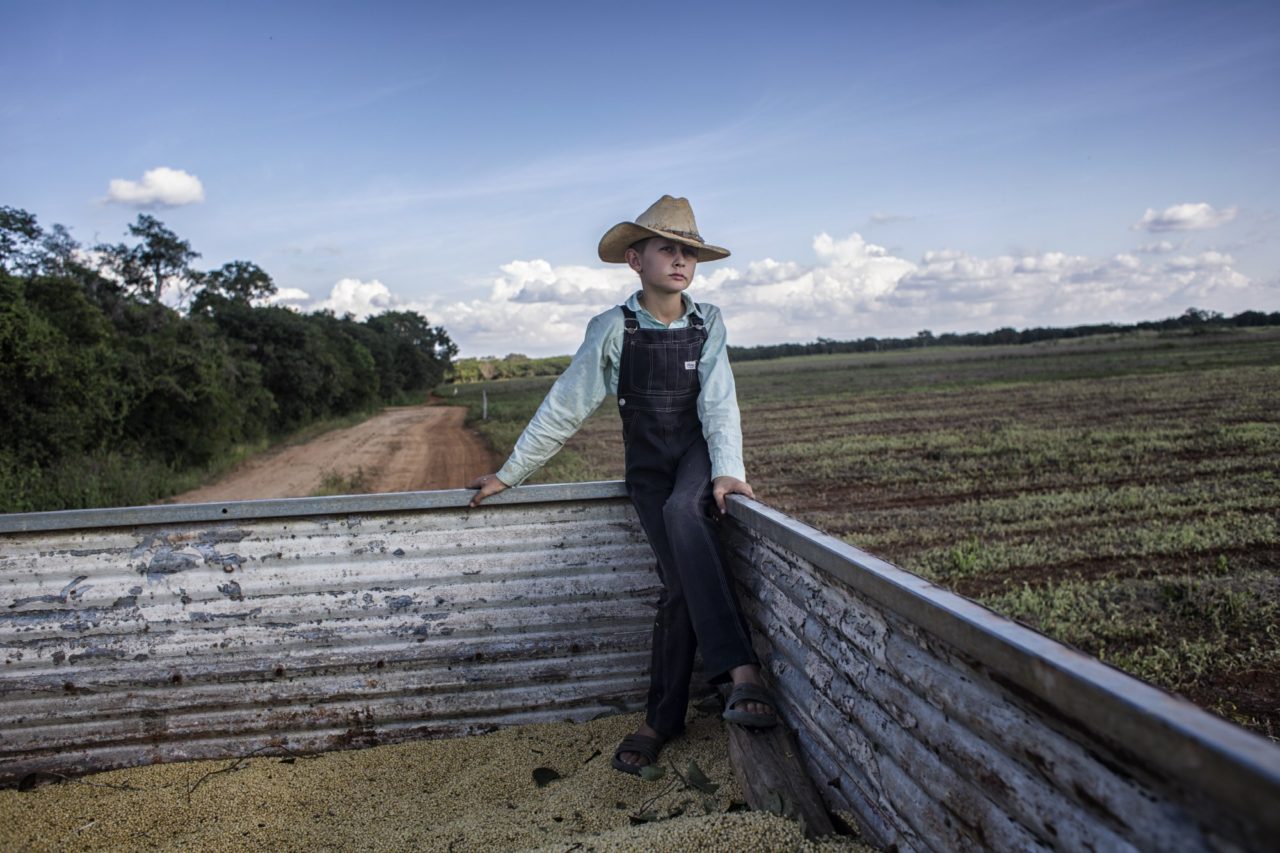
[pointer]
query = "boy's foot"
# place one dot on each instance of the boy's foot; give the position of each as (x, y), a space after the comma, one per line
(638, 750)
(750, 703)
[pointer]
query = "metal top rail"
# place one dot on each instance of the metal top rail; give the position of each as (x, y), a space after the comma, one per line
(74, 519)
(1170, 734)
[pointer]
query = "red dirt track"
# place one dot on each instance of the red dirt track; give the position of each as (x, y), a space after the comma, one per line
(406, 448)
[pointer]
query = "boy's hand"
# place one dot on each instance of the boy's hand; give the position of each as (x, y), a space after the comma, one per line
(722, 486)
(489, 484)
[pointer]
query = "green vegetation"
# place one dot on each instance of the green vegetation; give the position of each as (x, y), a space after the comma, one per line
(337, 483)
(595, 453)
(513, 366)
(110, 397)
(1120, 493)
(1192, 320)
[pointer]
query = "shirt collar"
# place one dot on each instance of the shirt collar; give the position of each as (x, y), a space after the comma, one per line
(690, 307)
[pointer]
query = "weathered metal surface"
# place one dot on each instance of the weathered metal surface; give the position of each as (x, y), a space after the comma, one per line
(941, 725)
(294, 507)
(162, 633)
(166, 633)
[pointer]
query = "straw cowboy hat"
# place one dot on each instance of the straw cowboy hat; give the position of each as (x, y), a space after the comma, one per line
(667, 217)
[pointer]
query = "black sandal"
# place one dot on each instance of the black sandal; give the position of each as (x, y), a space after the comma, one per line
(641, 744)
(747, 692)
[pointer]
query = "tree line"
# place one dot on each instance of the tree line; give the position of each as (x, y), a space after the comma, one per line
(109, 396)
(1193, 319)
(516, 366)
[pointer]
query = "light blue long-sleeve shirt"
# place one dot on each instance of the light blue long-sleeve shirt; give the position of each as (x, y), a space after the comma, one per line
(593, 373)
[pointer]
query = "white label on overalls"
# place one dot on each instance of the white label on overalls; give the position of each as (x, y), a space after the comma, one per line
(690, 365)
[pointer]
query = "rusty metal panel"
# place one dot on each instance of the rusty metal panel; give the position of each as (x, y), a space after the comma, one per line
(944, 726)
(165, 633)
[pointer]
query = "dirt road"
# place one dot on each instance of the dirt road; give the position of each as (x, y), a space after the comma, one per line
(402, 449)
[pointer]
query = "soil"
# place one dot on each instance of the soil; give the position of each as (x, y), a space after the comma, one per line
(403, 449)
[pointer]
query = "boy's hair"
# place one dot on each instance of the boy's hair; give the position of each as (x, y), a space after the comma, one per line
(639, 245)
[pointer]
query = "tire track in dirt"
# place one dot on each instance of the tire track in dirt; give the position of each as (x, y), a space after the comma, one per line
(403, 449)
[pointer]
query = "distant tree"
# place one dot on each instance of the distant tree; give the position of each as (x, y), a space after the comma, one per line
(423, 353)
(239, 281)
(1198, 316)
(59, 252)
(56, 362)
(1003, 335)
(19, 241)
(1250, 318)
(160, 258)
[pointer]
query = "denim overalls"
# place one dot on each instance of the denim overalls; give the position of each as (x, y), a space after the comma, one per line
(669, 481)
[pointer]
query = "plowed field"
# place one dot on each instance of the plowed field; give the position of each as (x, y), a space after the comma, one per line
(1121, 494)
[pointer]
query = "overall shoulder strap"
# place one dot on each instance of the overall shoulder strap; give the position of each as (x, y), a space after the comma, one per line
(629, 322)
(700, 328)
(696, 321)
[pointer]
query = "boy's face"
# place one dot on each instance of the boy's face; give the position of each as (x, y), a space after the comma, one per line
(663, 265)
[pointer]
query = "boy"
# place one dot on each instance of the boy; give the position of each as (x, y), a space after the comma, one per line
(664, 356)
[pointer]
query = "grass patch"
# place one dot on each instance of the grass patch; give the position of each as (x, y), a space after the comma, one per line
(595, 453)
(336, 483)
(1205, 635)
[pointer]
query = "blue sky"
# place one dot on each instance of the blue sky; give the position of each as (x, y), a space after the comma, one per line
(876, 168)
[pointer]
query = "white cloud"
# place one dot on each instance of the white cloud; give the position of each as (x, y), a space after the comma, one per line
(288, 296)
(161, 187)
(849, 288)
(774, 300)
(881, 218)
(1058, 289)
(1162, 247)
(1185, 217)
(361, 298)
(538, 281)
(532, 307)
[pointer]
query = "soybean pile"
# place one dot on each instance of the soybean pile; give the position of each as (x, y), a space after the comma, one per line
(538, 787)
(1120, 493)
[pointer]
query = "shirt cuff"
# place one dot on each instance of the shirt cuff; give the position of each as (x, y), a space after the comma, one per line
(509, 476)
(728, 468)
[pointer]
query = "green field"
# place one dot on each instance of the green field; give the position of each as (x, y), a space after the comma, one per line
(1118, 493)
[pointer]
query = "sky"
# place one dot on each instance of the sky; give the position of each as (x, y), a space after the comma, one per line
(875, 168)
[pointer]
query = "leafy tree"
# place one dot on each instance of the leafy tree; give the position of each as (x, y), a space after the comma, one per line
(422, 352)
(161, 258)
(1198, 316)
(57, 353)
(59, 253)
(190, 399)
(19, 241)
(239, 281)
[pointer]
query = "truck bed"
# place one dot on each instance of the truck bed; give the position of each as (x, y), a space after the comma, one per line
(151, 634)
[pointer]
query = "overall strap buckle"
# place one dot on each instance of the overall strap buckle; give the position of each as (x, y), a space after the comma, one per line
(630, 322)
(695, 319)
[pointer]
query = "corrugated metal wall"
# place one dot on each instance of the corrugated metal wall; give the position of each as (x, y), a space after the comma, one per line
(184, 632)
(155, 634)
(942, 726)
